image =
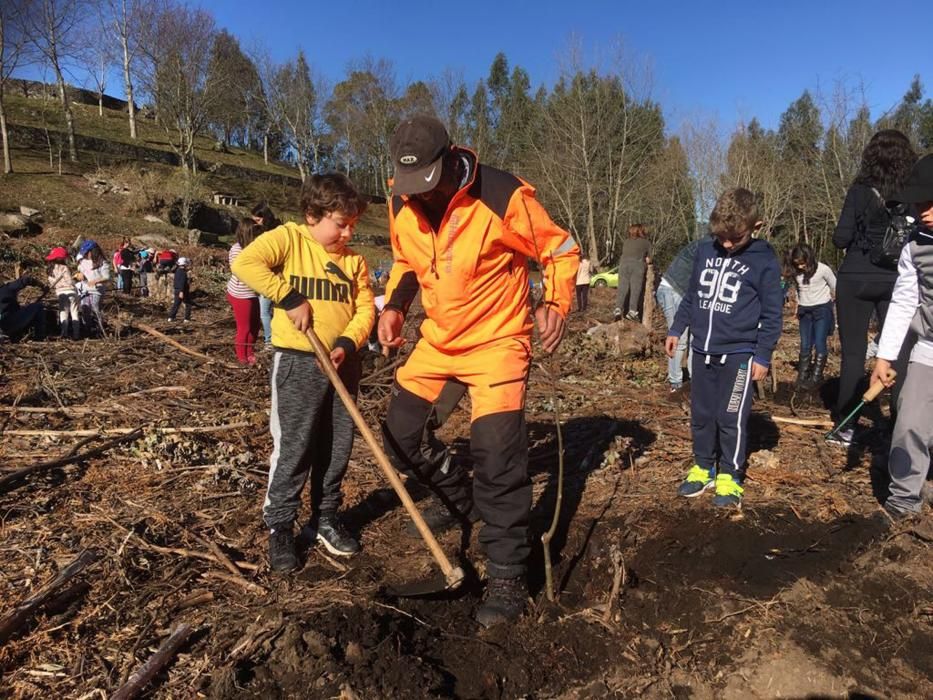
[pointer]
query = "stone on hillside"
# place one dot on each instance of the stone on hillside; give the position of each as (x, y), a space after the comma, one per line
(17, 225)
(153, 219)
(623, 338)
(154, 240)
(31, 213)
(198, 237)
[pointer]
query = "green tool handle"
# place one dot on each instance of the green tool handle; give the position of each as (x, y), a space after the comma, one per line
(877, 388)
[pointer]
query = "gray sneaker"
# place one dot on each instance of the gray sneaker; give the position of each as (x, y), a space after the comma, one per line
(844, 438)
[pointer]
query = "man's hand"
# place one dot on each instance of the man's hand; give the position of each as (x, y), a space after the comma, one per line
(880, 373)
(301, 316)
(759, 372)
(670, 345)
(337, 356)
(551, 327)
(181, 295)
(390, 328)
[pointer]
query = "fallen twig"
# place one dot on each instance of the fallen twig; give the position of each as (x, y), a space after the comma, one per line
(13, 621)
(11, 480)
(171, 341)
(814, 422)
(127, 431)
(145, 673)
(618, 578)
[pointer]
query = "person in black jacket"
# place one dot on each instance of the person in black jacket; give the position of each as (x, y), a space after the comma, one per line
(863, 287)
(182, 290)
(16, 320)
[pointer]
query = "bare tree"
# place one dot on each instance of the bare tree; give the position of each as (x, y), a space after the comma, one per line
(13, 54)
(594, 150)
(53, 27)
(293, 96)
(96, 57)
(177, 52)
(126, 19)
(362, 113)
(707, 161)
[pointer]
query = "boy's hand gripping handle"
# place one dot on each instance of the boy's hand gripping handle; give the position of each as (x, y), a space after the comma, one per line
(872, 393)
(453, 575)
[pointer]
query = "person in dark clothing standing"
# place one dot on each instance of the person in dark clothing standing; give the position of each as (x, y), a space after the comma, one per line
(16, 320)
(182, 290)
(862, 286)
(635, 256)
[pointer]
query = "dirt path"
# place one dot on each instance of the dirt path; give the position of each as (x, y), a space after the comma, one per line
(805, 592)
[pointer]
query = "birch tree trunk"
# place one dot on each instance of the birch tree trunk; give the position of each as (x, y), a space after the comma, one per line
(7, 161)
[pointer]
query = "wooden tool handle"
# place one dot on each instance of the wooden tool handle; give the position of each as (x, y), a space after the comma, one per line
(453, 575)
(877, 388)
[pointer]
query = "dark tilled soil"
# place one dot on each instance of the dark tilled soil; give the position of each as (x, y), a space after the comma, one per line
(805, 592)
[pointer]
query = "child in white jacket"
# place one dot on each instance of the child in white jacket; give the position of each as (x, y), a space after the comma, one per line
(61, 282)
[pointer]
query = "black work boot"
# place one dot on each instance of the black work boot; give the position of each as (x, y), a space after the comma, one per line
(504, 601)
(336, 540)
(63, 329)
(817, 377)
(439, 517)
(75, 330)
(282, 556)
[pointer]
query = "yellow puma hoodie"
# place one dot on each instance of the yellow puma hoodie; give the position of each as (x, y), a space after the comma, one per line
(288, 266)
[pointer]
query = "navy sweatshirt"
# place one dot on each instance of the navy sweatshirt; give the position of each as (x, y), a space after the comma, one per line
(181, 281)
(734, 302)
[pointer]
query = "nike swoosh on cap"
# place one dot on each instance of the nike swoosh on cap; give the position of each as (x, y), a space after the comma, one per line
(427, 178)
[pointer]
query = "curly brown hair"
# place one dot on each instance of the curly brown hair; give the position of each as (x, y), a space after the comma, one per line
(637, 231)
(886, 162)
(331, 193)
(736, 211)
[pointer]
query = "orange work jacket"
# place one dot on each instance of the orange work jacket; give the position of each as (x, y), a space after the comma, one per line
(473, 272)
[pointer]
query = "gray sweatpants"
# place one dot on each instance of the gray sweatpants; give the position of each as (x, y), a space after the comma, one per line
(909, 460)
(311, 432)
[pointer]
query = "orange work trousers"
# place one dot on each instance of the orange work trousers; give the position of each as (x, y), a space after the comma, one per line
(495, 374)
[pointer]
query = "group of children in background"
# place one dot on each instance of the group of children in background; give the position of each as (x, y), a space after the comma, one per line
(80, 289)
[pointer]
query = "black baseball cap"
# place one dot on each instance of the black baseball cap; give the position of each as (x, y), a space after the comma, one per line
(919, 184)
(418, 147)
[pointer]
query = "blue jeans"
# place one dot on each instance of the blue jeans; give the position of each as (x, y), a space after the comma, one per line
(669, 301)
(265, 317)
(816, 325)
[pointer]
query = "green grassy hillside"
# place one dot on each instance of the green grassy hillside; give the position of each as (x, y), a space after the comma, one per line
(45, 180)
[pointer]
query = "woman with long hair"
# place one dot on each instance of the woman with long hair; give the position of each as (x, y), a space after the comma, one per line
(815, 284)
(863, 286)
(636, 255)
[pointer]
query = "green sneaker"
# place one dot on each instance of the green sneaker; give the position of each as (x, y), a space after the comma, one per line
(728, 491)
(696, 482)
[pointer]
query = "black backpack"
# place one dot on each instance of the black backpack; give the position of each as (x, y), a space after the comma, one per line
(885, 232)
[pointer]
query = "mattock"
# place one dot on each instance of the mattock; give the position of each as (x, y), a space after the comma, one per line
(453, 576)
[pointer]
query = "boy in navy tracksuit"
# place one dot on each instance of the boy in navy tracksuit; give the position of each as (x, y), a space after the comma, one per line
(733, 309)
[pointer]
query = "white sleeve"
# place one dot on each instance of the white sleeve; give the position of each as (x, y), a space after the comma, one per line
(830, 279)
(904, 301)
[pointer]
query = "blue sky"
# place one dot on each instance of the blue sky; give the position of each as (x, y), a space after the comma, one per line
(726, 60)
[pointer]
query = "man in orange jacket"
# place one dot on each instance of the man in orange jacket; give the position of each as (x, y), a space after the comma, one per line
(462, 233)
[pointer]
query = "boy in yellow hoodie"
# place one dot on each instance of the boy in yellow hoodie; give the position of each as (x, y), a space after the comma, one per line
(314, 280)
